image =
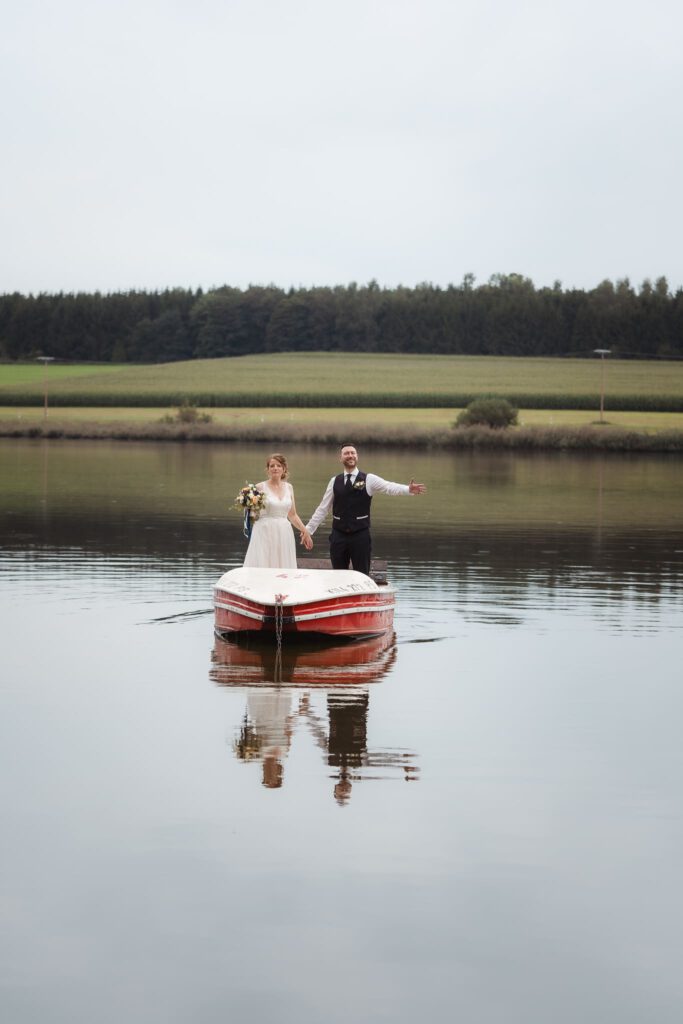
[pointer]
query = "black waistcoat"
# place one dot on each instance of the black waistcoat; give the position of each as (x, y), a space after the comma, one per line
(351, 509)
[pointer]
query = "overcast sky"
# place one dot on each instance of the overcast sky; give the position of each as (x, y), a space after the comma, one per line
(152, 144)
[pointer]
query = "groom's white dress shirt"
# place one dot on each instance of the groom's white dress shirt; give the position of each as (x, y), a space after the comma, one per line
(373, 485)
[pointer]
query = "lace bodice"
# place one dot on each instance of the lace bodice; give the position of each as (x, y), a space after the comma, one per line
(276, 508)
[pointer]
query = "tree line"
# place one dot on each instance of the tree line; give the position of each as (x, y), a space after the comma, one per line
(507, 315)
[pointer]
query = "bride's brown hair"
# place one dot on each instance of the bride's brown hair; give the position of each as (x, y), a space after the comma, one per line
(283, 462)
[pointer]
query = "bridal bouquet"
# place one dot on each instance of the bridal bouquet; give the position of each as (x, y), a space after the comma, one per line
(251, 500)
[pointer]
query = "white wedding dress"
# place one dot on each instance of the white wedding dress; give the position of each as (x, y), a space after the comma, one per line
(272, 543)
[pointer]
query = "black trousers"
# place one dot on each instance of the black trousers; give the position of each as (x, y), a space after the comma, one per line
(355, 548)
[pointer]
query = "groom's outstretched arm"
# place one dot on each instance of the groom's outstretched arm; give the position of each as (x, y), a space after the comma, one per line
(322, 509)
(377, 485)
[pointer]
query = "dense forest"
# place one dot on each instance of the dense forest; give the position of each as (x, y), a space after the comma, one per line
(505, 316)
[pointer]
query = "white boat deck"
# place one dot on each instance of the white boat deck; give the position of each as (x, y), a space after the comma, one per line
(297, 586)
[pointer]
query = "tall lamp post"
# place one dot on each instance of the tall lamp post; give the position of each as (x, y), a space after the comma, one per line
(602, 352)
(45, 360)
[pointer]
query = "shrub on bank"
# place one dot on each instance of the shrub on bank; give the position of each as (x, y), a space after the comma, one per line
(496, 413)
(187, 413)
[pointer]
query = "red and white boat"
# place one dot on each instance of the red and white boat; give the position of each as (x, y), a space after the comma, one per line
(302, 602)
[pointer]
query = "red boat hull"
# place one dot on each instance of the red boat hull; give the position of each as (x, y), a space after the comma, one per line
(360, 610)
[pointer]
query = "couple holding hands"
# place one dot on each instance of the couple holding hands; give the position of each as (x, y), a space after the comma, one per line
(349, 495)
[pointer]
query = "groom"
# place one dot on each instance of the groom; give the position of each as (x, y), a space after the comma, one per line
(350, 495)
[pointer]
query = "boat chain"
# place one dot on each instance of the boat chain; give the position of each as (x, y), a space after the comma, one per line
(279, 620)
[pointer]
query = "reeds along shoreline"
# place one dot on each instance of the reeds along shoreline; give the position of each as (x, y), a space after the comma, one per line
(561, 438)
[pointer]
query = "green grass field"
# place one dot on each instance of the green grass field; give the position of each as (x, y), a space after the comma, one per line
(347, 379)
(33, 374)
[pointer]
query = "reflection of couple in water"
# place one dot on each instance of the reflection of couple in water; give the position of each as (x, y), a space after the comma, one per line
(349, 495)
(266, 732)
(270, 722)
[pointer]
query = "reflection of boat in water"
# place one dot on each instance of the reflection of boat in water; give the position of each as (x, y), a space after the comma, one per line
(317, 688)
(254, 661)
(303, 601)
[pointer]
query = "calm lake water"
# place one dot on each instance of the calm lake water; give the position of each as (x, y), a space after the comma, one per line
(479, 820)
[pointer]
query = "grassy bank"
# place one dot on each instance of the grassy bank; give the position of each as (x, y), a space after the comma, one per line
(344, 419)
(276, 430)
(353, 380)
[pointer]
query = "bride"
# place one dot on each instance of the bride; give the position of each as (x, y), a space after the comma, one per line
(271, 545)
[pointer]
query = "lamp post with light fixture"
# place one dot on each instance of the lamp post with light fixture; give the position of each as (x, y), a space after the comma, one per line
(45, 360)
(602, 352)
